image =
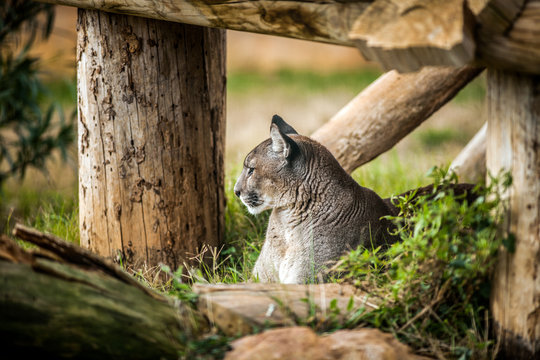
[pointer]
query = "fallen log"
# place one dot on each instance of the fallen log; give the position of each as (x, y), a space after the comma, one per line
(398, 34)
(62, 303)
(65, 302)
(387, 110)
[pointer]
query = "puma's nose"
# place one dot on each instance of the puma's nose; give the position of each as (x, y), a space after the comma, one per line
(237, 189)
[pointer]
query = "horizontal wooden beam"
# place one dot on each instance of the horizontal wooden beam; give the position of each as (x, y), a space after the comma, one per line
(323, 21)
(402, 35)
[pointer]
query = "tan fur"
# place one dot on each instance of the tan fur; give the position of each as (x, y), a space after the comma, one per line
(318, 211)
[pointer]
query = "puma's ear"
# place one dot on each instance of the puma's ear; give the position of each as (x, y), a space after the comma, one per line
(282, 144)
(282, 125)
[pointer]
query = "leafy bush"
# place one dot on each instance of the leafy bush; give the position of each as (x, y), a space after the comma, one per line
(28, 135)
(435, 283)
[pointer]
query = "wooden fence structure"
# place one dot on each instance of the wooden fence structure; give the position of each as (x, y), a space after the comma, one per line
(151, 90)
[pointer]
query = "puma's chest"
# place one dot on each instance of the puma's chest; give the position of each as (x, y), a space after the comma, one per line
(289, 246)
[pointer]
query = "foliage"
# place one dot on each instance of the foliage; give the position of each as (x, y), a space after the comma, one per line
(28, 135)
(211, 347)
(435, 283)
(43, 209)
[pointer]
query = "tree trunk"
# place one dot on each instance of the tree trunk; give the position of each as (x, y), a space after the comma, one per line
(65, 303)
(151, 97)
(513, 140)
(387, 110)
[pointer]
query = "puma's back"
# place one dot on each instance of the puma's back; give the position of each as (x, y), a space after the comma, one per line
(318, 211)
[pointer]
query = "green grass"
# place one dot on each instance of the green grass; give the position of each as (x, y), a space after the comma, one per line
(432, 138)
(299, 82)
(389, 175)
(474, 91)
(43, 209)
(306, 82)
(62, 90)
(435, 284)
(288, 81)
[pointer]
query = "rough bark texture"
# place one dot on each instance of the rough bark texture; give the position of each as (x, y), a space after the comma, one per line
(388, 110)
(513, 140)
(324, 21)
(421, 37)
(402, 35)
(151, 137)
(470, 164)
(62, 304)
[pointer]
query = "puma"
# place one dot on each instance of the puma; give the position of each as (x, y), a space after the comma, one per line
(318, 211)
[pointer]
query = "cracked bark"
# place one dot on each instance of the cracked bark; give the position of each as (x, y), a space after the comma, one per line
(513, 138)
(151, 98)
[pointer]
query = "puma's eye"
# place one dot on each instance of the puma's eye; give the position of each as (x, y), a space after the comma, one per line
(250, 171)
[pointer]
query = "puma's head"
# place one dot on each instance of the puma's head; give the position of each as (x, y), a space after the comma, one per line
(272, 169)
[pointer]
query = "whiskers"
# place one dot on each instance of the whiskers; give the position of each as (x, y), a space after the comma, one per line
(253, 200)
(254, 203)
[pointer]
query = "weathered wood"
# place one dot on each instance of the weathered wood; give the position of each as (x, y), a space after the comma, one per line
(495, 16)
(324, 21)
(332, 22)
(519, 48)
(406, 35)
(387, 110)
(244, 308)
(513, 139)
(76, 255)
(151, 138)
(50, 308)
(470, 164)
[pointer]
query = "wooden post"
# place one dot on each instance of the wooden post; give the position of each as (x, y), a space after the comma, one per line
(151, 138)
(513, 144)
